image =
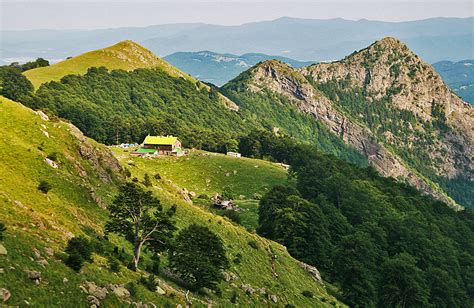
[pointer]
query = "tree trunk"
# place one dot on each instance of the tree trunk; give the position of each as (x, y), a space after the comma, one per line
(136, 255)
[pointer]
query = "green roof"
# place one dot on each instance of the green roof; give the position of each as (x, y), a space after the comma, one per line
(160, 140)
(143, 150)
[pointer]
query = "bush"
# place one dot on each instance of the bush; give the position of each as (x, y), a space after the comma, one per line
(132, 288)
(44, 186)
(150, 282)
(147, 181)
(238, 258)
(307, 293)
(114, 264)
(53, 156)
(227, 194)
(154, 267)
(127, 173)
(233, 298)
(75, 262)
(232, 215)
(157, 176)
(2, 229)
(203, 196)
(254, 244)
(79, 250)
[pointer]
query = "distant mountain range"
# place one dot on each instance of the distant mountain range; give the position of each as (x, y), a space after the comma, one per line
(219, 68)
(459, 76)
(433, 39)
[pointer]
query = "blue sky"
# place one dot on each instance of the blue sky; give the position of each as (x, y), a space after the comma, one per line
(86, 14)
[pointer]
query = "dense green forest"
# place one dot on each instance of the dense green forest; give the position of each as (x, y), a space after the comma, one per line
(380, 241)
(396, 127)
(120, 106)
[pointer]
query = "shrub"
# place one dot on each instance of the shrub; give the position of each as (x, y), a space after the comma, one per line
(154, 267)
(127, 172)
(79, 250)
(157, 176)
(75, 262)
(2, 229)
(253, 244)
(238, 258)
(150, 282)
(203, 196)
(233, 298)
(232, 215)
(114, 264)
(227, 194)
(132, 288)
(147, 181)
(44, 186)
(53, 156)
(307, 293)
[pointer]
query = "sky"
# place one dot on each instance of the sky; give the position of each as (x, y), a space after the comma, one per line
(86, 14)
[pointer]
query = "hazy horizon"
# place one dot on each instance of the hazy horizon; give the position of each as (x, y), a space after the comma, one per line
(103, 14)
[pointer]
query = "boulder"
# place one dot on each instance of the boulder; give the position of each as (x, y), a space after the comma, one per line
(35, 276)
(43, 116)
(312, 271)
(49, 252)
(121, 292)
(247, 289)
(3, 250)
(43, 262)
(4, 295)
(93, 301)
(96, 291)
(160, 290)
(273, 298)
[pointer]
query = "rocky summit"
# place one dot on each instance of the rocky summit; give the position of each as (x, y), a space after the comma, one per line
(389, 105)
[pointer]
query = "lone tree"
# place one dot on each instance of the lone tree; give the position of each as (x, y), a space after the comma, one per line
(138, 215)
(198, 257)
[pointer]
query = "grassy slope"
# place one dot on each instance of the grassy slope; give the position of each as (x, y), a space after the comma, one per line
(36, 220)
(42, 221)
(125, 55)
(255, 268)
(209, 173)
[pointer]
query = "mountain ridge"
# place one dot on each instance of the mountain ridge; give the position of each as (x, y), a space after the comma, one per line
(305, 87)
(429, 38)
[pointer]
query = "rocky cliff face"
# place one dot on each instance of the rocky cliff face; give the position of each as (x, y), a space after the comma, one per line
(421, 129)
(388, 69)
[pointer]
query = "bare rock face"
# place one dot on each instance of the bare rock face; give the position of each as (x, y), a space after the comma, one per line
(101, 160)
(312, 271)
(388, 68)
(433, 125)
(282, 79)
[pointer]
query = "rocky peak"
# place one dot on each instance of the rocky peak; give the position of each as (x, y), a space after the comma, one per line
(386, 71)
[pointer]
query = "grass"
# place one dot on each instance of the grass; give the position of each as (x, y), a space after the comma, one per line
(37, 220)
(125, 55)
(209, 173)
(191, 172)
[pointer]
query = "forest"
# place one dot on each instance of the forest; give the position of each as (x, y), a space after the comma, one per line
(380, 241)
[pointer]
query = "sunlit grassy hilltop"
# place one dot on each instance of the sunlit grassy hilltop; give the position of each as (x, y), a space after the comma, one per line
(125, 55)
